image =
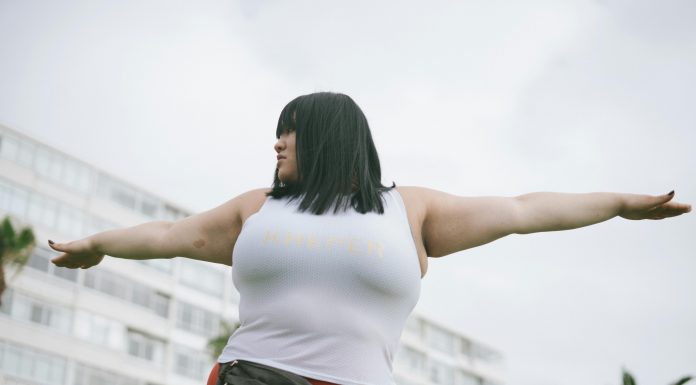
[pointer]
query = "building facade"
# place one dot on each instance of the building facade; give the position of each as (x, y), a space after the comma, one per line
(128, 322)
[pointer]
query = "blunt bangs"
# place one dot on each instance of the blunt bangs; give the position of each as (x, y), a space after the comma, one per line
(337, 162)
(286, 121)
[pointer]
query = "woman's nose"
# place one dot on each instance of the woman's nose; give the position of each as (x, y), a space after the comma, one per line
(279, 145)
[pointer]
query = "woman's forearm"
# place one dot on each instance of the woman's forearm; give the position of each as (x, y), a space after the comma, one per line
(547, 211)
(143, 241)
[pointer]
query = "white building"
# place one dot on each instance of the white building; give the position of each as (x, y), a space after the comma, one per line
(146, 322)
(432, 354)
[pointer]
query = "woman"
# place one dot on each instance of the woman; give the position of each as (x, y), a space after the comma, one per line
(328, 261)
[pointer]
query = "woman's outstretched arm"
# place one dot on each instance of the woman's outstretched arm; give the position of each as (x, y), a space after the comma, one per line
(452, 223)
(208, 236)
(545, 211)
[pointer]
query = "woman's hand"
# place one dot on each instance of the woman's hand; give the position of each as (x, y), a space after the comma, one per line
(651, 207)
(77, 254)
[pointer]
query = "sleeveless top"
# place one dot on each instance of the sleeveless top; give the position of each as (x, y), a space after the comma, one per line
(324, 296)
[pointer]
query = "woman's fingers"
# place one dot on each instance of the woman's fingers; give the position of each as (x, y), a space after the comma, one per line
(76, 254)
(70, 247)
(653, 207)
(660, 200)
(54, 246)
(673, 209)
(65, 260)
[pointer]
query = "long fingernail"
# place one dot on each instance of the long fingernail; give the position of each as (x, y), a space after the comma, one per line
(50, 242)
(671, 192)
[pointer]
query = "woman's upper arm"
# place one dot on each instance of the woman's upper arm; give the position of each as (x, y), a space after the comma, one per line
(210, 236)
(453, 223)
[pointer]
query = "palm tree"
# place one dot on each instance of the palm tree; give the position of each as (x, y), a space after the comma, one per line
(216, 344)
(628, 379)
(14, 249)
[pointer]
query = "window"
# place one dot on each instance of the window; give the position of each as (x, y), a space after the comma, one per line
(121, 287)
(465, 347)
(97, 225)
(50, 164)
(484, 354)
(149, 206)
(191, 363)
(441, 373)
(43, 163)
(198, 275)
(71, 221)
(100, 330)
(25, 157)
(197, 320)
(411, 359)
(9, 147)
(13, 199)
(18, 202)
(17, 150)
(163, 265)
(463, 378)
(40, 209)
(88, 375)
(117, 192)
(413, 326)
(123, 197)
(128, 197)
(40, 260)
(172, 214)
(76, 176)
(84, 179)
(109, 283)
(440, 339)
(144, 346)
(160, 304)
(43, 210)
(30, 309)
(6, 306)
(32, 365)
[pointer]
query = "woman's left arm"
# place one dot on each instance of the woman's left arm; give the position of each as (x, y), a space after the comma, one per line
(546, 211)
(453, 223)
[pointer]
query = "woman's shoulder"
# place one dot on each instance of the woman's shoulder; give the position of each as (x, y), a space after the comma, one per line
(413, 193)
(414, 198)
(250, 202)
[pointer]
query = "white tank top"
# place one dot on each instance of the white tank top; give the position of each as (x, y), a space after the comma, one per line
(324, 296)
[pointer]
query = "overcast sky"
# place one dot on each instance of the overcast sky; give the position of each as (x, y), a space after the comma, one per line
(473, 98)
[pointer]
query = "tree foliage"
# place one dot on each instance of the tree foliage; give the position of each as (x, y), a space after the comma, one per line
(15, 249)
(217, 343)
(629, 380)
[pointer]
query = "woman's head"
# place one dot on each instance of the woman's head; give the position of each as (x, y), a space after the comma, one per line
(335, 163)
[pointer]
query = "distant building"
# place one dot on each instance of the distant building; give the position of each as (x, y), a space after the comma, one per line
(431, 354)
(146, 322)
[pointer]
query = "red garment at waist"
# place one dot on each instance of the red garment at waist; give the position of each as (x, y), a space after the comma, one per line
(212, 377)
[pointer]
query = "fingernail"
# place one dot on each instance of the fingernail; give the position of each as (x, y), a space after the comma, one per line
(671, 192)
(50, 242)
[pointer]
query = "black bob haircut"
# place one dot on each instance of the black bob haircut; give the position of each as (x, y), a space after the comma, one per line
(337, 162)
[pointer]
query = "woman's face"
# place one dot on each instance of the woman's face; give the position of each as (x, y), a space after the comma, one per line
(287, 161)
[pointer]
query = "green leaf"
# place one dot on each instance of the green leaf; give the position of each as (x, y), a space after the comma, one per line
(683, 380)
(218, 343)
(26, 238)
(628, 378)
(8, 233)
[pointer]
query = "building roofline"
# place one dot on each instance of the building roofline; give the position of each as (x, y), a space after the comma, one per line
(99, 170)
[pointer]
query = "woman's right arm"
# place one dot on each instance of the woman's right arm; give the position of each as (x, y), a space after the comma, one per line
(209, 236)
